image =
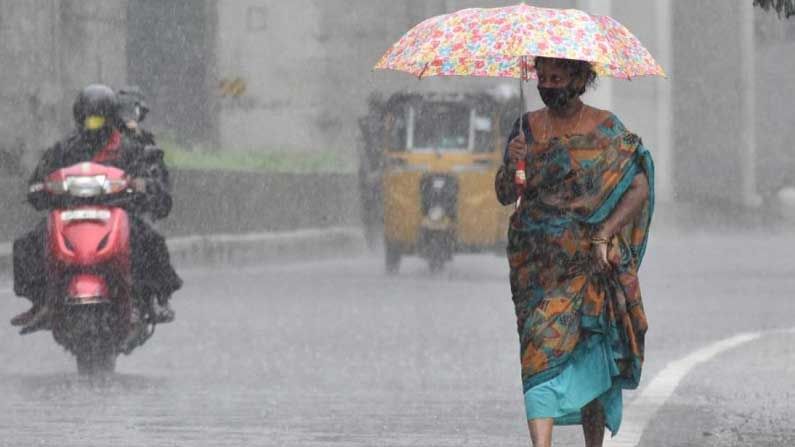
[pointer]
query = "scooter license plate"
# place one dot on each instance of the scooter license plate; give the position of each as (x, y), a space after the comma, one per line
(85, 214)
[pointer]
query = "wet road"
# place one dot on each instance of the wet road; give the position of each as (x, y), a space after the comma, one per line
(334, 353)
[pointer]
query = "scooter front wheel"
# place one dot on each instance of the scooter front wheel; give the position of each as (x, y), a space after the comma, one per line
(91, 338)
(99, 361)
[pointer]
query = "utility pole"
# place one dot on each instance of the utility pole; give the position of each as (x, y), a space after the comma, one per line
(747, 155)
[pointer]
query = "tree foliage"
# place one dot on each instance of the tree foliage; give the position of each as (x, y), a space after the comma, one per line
(785, 7)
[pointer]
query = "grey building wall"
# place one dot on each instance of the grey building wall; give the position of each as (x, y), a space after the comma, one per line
(49, 49)
(733, 102)
(273, 49)
(708, 100)
(171, 57)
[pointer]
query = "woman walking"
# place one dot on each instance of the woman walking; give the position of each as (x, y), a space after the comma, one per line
(576, 242)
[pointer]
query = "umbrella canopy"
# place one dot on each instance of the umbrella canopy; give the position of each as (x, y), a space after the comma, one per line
(501, 42)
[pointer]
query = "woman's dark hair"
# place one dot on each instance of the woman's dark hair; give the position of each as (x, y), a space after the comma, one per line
(577, 69)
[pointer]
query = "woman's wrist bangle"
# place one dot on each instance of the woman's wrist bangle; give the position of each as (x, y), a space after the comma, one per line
(600, 241)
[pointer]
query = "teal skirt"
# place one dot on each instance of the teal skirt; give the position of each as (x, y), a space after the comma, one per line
(588, 376)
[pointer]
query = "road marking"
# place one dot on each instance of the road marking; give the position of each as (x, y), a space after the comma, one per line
(641, 410)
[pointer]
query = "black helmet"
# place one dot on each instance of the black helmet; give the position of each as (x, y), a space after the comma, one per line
(95, 108)
(132, 104)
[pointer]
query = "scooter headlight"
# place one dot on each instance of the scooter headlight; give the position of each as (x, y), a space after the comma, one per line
(86, 186)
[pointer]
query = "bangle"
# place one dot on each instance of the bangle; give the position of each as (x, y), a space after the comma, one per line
(600, 240)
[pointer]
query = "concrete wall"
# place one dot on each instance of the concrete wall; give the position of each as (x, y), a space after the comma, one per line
(273, 48)
(50, 49)
(170, 55)
(708, 100)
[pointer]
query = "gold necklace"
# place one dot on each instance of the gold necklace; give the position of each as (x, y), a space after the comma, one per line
(576, 126)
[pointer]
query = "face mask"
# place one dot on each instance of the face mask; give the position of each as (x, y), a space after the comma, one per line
(94, 122)
(96, 138)
(557, 98)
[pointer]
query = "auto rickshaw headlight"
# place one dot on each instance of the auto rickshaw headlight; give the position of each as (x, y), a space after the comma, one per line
(436, 213)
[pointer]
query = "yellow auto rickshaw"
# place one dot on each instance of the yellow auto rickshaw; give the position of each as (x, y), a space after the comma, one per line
(439, 155)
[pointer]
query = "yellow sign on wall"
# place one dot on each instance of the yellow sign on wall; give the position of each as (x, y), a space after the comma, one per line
(234, 88)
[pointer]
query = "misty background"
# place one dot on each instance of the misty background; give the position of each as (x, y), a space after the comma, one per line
(257, 105)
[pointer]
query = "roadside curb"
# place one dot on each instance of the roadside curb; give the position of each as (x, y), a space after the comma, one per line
(266, 247)
(235, 249)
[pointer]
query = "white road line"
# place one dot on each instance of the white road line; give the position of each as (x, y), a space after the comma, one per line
(638, 414)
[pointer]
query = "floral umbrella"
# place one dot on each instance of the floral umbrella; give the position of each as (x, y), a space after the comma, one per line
(501, 42)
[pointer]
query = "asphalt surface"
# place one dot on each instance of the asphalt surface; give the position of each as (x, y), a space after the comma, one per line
(335, 353)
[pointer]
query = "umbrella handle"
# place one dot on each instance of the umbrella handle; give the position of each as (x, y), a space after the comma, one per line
(520, 178)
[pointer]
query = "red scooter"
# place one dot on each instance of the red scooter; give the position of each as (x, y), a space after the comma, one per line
(94, 314)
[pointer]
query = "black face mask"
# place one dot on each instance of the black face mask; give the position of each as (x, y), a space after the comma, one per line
(557, 98)
(94, 140)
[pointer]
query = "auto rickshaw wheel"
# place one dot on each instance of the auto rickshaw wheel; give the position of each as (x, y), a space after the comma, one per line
(392, 257)
(435, 264)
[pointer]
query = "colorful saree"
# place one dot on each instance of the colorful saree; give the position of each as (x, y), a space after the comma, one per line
(581, 332)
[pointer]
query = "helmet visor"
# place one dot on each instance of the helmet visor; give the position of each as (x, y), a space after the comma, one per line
(94, 122)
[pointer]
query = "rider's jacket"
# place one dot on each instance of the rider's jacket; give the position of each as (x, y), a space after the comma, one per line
(122, 151)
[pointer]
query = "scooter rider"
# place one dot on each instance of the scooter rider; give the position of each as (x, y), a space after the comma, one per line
(98, 139)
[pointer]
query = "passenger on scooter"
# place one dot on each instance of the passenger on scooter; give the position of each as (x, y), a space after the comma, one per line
(132, 112)
(98, 138)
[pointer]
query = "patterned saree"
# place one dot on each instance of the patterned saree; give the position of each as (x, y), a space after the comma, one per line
(581, 332)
